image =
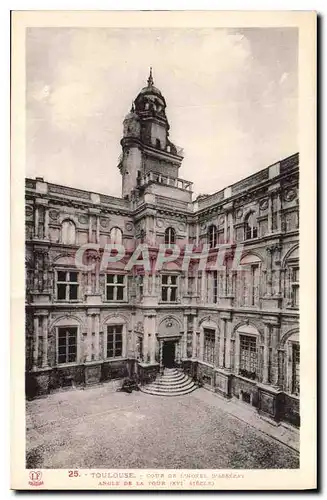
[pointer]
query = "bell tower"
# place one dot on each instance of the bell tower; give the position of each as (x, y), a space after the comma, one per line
(145, 143)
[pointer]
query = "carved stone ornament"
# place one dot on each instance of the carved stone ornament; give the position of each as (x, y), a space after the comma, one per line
(239, 213)
(204, 227)
(160, 223)
(83, 219)
(28, 211)
(54, 214)
(169, 323)
(129, 226)
(139, 327)
(289, 194)
(264, 204)
(104, 221)
(222, 219)
(181, 226)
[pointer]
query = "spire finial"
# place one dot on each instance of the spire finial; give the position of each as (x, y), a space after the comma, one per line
(150, 79)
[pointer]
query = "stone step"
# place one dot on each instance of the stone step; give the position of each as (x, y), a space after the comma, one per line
(161, 381)
(171, 383)
(170, 388)
(172, 377)
(154, 392)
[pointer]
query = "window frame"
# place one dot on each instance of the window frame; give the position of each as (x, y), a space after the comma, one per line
(67, 285)
(295, 369)
(209, 345)
(243, 371)
(250, 230)
(73, 224)
(295, 286)
(114, 326)
(115, 285)
(212, 236)
(170, 236)
(67, 328)
(113, 240)
(169, 286)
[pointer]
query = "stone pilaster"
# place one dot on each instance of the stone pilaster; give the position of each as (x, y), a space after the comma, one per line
(45, 341)
(36, 222)
(194, 339)
(265, 371)
(36, 341)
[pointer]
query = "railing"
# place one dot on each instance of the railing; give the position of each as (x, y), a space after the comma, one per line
(163, 179)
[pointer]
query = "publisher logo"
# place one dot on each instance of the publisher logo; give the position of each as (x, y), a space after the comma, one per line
(35, 478)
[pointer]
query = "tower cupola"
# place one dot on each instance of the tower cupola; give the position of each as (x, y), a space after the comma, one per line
(145, 143)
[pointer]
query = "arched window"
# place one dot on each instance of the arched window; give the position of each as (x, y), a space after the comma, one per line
(68, 232)
(251, 228)
(170, 236)
(212, 236)
(116, 236)
(158, 144)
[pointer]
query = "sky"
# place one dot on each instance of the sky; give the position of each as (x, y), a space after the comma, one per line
(232, 100)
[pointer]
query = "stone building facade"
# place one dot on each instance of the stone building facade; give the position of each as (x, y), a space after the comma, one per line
(234, 328)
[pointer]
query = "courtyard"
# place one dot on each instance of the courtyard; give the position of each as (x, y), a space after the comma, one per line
(102, 428)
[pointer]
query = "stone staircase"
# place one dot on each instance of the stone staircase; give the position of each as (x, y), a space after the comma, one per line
(172, 383)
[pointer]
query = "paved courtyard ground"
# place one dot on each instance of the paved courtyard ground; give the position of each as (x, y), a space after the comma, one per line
(100, 428)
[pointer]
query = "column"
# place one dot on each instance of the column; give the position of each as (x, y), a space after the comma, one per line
(217, 347)
(274, 358)
(203, 290)
(45, 341)
(184, 339)
(270, 215)
(265, 372)
(153, 347)
(90, 228)
(36, 341)
(269, 277)
(46, 223)
(97, 337)
(97, 275)
(98, 229)
(89, 337)
(36, 222)
(197, 234)
(222, 344)
(231, 228)
(186, 283)
(194, 338)
(278, 213)
(201, 344)
(160, 352)
(281, 354)
(225, 227)
(228, 344)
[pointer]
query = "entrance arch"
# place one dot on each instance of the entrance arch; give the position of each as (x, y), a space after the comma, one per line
(169, 339)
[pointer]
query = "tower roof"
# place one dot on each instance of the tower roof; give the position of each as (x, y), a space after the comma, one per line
(150, 88)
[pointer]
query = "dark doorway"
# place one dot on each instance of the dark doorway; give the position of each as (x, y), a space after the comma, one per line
(168, 354)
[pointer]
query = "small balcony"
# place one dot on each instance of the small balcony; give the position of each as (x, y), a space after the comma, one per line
(176, 182)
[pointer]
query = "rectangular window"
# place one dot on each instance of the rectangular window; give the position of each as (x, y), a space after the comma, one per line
(67, 285)
(114, 341)
(169, 288)
(295, 289)
(67, 345)
(296, 369)
(248, 356)
(212, 287)
(209, 345)
(116, 287)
